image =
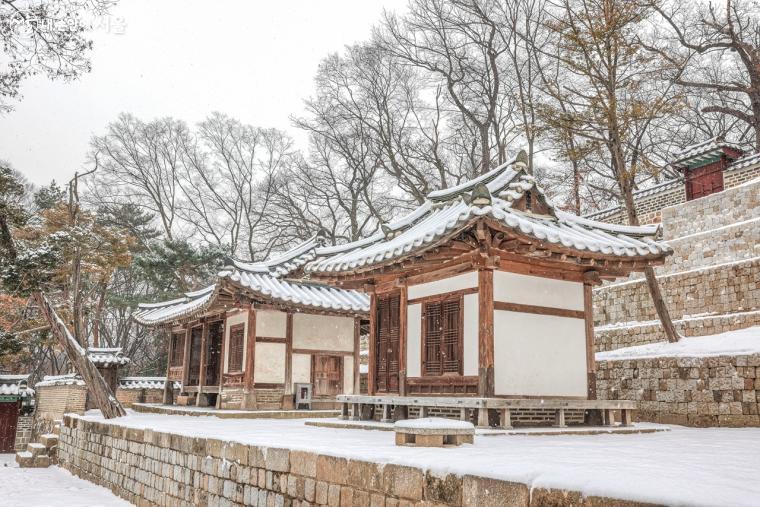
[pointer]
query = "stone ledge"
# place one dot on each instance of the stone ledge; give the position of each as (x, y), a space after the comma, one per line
(148, 467)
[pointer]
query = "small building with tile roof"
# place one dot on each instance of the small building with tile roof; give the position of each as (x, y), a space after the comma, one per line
(259, 329)
(484, 291)
(696, 171)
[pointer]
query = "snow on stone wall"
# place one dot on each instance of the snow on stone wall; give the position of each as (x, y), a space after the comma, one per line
(693, 391)
(711, 282)
(172, 469)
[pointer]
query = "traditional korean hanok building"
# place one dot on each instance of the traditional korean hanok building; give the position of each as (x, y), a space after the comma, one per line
(481, 298)
(246, 340)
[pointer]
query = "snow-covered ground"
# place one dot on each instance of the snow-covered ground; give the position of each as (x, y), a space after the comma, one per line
(34, 487)
(685, 466)
(734, 343)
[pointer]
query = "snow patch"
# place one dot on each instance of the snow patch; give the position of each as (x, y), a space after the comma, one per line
(732, 343)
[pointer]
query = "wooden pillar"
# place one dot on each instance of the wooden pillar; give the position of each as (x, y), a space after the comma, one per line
(485, 333)
(372, 346)
(249, 397)
(357, 356)
(168, 392)
(222, 361)
(200, 400)
(588, 315)
(402, 331)
(186, 358)
(287, 397)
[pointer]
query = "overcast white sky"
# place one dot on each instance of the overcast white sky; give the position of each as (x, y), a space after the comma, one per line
(254, 60)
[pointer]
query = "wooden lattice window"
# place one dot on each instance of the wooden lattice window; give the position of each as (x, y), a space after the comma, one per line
(237, 339)
(387, 322)
(442, 337)
(177, 351)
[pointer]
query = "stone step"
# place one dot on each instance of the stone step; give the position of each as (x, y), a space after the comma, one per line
(26, 459)
(36, 449)
(49, 440)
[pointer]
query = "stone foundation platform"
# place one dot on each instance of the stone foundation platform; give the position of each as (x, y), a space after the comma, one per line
(232, 414)
(149, 467)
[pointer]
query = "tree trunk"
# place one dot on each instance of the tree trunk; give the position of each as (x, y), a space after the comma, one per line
(103, 396)
(654, 287)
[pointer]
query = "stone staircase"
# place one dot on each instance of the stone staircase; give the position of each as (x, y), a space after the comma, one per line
(40, 454)
(711, 283)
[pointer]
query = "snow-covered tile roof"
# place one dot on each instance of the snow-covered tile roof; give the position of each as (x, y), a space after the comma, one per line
(270, 285)
(452, 211)
(703, 152)
(286, 263)
(145, 383)
(60, 380)
(9, 384)
(104, 356)
(744, 161)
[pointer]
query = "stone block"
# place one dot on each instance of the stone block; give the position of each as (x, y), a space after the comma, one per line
(333, 470)
(303, 463)
(484, 492)
(277, 460)
(403, 482)
(365, 475)
(446, 489)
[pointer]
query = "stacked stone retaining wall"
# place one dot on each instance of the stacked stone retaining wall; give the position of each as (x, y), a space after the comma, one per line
(147, 467)
(693, 391)
(711, 283)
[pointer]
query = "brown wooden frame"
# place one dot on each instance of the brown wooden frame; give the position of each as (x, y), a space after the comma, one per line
(539, 310)
(341, 373)
(235, 328)
(440, 299)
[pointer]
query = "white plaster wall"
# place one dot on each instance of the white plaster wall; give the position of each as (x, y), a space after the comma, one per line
(323, 332)
(539, 355)
(269, 367)
(232, 320)
(454, 283)
(414, 340)
(538, 291)
(348, 375)
(271, 323)
(470, 335)
(301, 368)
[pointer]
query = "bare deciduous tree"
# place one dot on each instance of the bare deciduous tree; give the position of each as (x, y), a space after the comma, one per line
(724, 38)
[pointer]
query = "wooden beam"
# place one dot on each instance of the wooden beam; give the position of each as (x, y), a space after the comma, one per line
(186, 358)
(588, 307)
(372, 339)
(249, 398)
(168, 398)
(357, 356)
(426, 299)
(222, 361)
(289, 354)
(485, 333)
(539, 310)
(402, 330)
(202, 371)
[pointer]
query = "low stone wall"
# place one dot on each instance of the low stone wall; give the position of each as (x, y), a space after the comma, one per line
(154, 468)
(713, 211)
(612, 338)
(723, 289)
(55, 400)
(710, 391)
(23, 432)
(128, 397)
(652, 206)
